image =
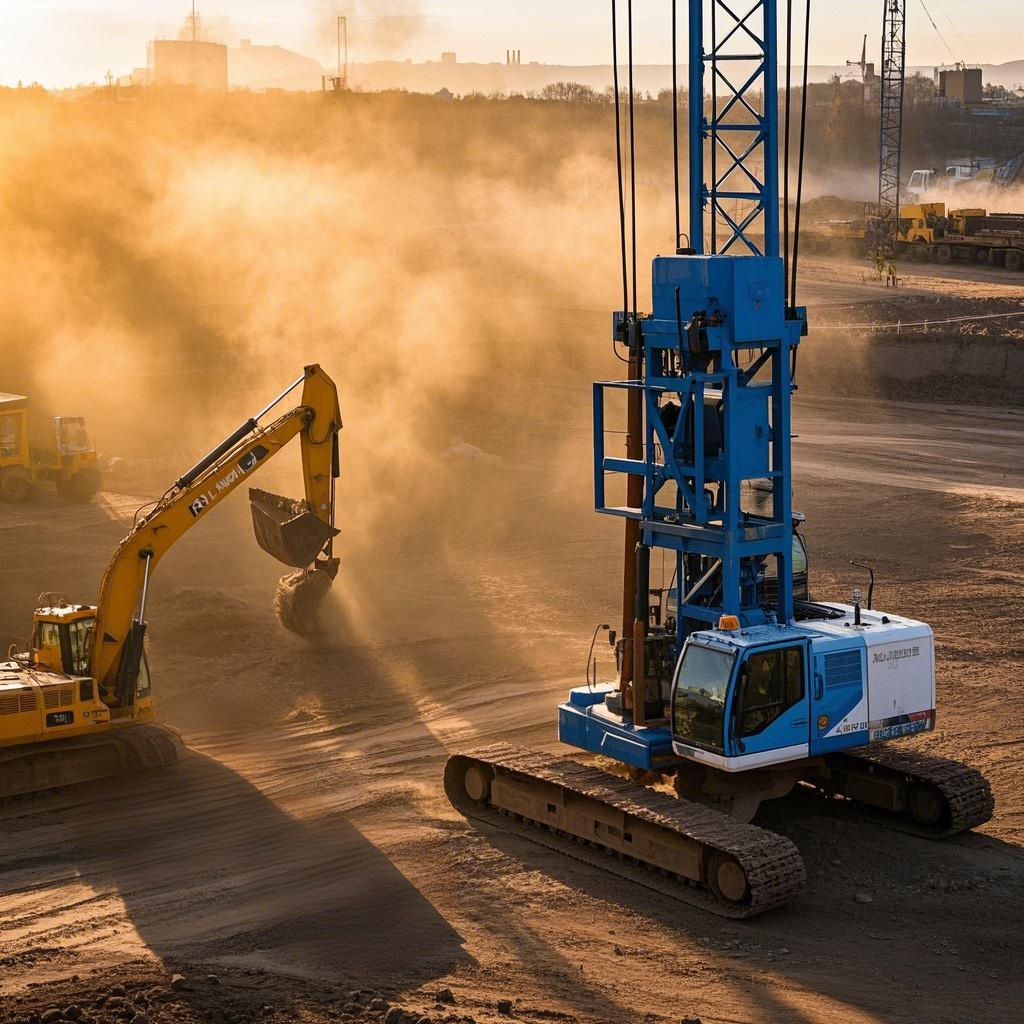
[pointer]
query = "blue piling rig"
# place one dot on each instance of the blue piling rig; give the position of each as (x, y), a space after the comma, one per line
(764, 691)
(708, 461)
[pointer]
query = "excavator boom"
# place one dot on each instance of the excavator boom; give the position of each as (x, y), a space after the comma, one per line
(295, 540)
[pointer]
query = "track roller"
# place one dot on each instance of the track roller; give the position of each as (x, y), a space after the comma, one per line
(926, 795)
(691, 852)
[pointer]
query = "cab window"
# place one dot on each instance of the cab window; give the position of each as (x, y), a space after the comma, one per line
(47, 636)
(798, 559)
(72, 436)
(771, 682)
(698, 700)
(9, 441)
(142, 683)
(80, 638)
(799, 555)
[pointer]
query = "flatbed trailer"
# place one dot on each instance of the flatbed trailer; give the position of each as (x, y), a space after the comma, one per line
(927, 235)
(986, 248)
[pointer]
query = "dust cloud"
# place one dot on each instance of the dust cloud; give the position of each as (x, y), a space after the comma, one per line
(981, 194)
(451, 264)
(376, 31)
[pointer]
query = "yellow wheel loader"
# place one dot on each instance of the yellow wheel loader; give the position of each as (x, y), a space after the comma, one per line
(78, 706)
(70, 465)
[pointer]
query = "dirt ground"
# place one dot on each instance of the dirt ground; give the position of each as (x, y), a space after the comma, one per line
(302, 863)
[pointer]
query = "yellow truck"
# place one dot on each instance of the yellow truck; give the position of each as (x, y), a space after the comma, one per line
(70, 464)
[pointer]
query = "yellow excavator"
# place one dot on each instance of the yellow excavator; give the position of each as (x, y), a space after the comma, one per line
(78, 705)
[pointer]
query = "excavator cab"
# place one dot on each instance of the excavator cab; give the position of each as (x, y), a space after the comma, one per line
(62, 642)
(741, 705)
(62, 637)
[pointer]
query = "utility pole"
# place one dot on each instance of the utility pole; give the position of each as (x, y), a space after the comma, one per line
(193, 21)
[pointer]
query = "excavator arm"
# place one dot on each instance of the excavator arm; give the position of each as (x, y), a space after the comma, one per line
(298, 533)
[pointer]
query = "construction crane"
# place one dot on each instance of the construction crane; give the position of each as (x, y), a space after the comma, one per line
(339, 82)
(862, 64)
(727, 683)
(891, 132)
(77, 706)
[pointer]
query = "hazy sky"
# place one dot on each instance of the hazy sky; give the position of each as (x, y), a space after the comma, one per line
(63, 42)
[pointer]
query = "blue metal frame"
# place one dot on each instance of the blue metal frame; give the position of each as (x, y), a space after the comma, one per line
(742, 129)
(713, 389)
(720, 338)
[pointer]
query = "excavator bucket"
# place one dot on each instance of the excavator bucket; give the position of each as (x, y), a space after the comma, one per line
(288, 529)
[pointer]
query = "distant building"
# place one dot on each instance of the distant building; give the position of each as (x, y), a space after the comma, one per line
(960, 84)
(192, 62)
(271, 67)
(448, 57)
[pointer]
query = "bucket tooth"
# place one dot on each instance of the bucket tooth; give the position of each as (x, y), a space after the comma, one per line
(288, 529)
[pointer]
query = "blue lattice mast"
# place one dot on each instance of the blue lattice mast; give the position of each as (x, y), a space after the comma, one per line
(716, 355)
(739, 68)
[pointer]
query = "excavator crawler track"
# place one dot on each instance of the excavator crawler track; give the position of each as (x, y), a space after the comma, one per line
(691, 852)
(961, 795)
(54, 764)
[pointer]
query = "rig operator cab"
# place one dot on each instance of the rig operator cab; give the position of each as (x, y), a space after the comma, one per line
(762, 695)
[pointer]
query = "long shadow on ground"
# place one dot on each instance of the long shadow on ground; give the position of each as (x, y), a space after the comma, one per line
(212, 871)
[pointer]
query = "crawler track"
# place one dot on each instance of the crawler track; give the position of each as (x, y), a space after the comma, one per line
(964, 791)
(698, 855)
(909, 791)
(37, 767)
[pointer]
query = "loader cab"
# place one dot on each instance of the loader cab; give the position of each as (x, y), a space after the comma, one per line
(740, 697)
(62, 637)
(72, 438)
